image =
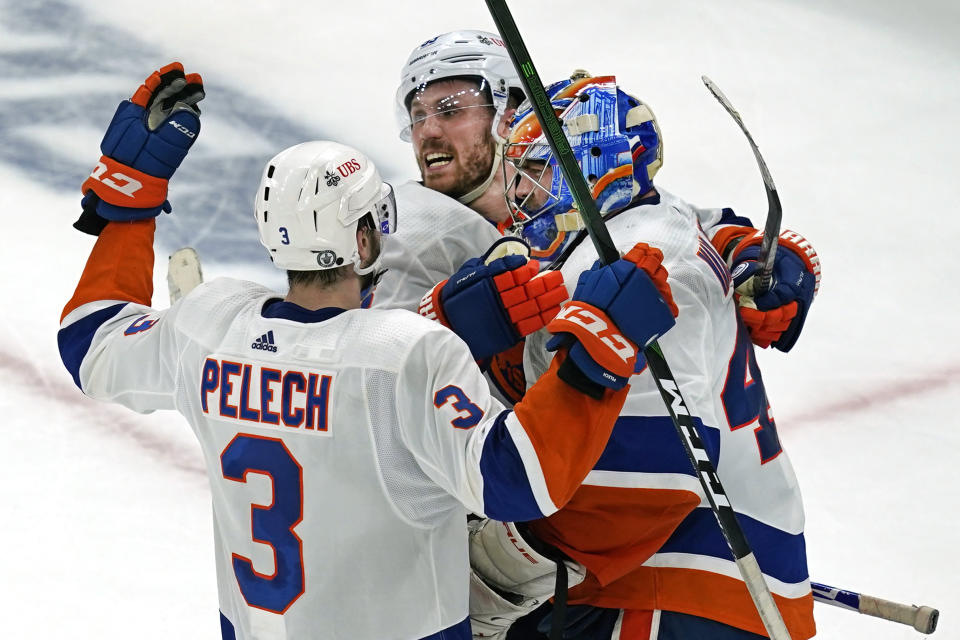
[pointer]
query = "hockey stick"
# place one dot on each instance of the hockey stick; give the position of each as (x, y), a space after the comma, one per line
(923, 618)
(183, 273)
(693, 443)
(771, 230)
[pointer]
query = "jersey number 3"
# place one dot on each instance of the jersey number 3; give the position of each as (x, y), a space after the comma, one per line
(270, 524)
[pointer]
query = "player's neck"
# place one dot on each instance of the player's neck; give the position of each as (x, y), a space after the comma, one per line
(342, 295)
(491, 203)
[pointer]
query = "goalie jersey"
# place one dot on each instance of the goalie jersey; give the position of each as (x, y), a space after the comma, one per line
(661, 546)
(344, 448)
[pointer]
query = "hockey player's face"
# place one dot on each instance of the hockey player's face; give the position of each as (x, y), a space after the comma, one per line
(451, 136)
(531, 186)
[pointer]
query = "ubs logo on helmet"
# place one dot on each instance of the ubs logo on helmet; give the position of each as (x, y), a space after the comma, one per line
(331, 178)
(349, 167)
(327, 259)
(490, 41)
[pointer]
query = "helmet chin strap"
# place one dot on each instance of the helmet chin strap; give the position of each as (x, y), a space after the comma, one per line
(481, 188)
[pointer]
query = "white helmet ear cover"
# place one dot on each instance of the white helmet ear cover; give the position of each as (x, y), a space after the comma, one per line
(310, 199)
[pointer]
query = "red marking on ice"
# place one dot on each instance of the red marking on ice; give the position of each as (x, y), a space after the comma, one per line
(113, 420)
(881, 395)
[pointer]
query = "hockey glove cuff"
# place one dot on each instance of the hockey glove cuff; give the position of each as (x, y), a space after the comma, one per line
(146, 141)
(776, 317)
(493, 301)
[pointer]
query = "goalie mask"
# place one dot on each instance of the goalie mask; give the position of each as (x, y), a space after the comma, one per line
(311, 199)
(614, 137)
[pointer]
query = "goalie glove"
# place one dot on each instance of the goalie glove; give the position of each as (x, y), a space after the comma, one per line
(492, 302)
(616, 310)
(509, 577)
(775, 317)
(146, 141)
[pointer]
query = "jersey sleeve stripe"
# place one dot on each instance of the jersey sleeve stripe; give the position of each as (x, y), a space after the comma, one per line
(726, 568)
(641, 480)
(507, 462)
(650, 444)
(74, 340)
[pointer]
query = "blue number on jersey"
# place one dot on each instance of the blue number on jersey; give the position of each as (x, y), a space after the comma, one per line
(461, 403)
(271, 524)
(745, 399)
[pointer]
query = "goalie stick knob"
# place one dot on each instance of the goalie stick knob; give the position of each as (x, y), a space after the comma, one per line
(926, 619)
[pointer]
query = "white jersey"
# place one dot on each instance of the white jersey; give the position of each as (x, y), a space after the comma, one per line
(435, 235)
(344, 448)
(666, 551)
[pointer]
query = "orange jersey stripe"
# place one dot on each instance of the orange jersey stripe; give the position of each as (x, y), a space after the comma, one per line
(635, 523)
(568, 436)
(120, 267)
(700, 593)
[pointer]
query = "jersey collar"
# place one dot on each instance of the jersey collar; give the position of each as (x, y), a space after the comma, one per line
(277, 308)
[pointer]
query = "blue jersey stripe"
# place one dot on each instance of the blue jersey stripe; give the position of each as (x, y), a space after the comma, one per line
(74, 341)
(650, 444)
(780, 554)
(729, 216)
(227, 631)
(507, 494)
(459, 631)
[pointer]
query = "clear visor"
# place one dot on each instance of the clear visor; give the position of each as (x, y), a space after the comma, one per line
(445, 101)
(384, 210)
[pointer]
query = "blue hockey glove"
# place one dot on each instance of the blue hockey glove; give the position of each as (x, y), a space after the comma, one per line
(776, 317)
(493, 301)
(146, 141)
(616, 310)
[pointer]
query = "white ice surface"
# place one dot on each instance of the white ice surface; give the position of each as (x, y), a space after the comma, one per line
(107, 531)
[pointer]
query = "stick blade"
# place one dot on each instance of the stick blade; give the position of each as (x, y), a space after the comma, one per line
(183, 273)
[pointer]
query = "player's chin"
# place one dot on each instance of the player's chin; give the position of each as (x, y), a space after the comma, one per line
(444, 182)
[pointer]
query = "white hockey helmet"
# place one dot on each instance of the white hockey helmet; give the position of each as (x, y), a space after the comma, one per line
(310, 199)
(458, 54)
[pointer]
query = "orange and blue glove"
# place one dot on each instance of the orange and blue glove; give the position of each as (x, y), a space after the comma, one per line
(776, 316)
(492, 302)
(146, 141)
(615, 312)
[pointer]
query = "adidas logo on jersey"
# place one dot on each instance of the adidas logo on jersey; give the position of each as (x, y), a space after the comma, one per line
(265, 343)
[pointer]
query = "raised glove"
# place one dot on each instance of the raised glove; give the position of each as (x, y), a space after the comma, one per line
(509, 576)
(775, 317)
(616, 310)
(493, 301)
(146, 141)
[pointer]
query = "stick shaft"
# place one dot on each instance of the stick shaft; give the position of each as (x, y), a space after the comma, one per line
(921, 618)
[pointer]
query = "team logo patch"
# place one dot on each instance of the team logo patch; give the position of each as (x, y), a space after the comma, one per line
(265, 343)
(326, 259)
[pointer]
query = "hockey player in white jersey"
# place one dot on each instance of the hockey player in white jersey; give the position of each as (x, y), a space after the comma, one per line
(344, 446)
(656, 563)
(456, 95)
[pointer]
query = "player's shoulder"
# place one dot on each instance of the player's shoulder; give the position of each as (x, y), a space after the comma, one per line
(215, 304)
(398, 333)
(420, 208)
